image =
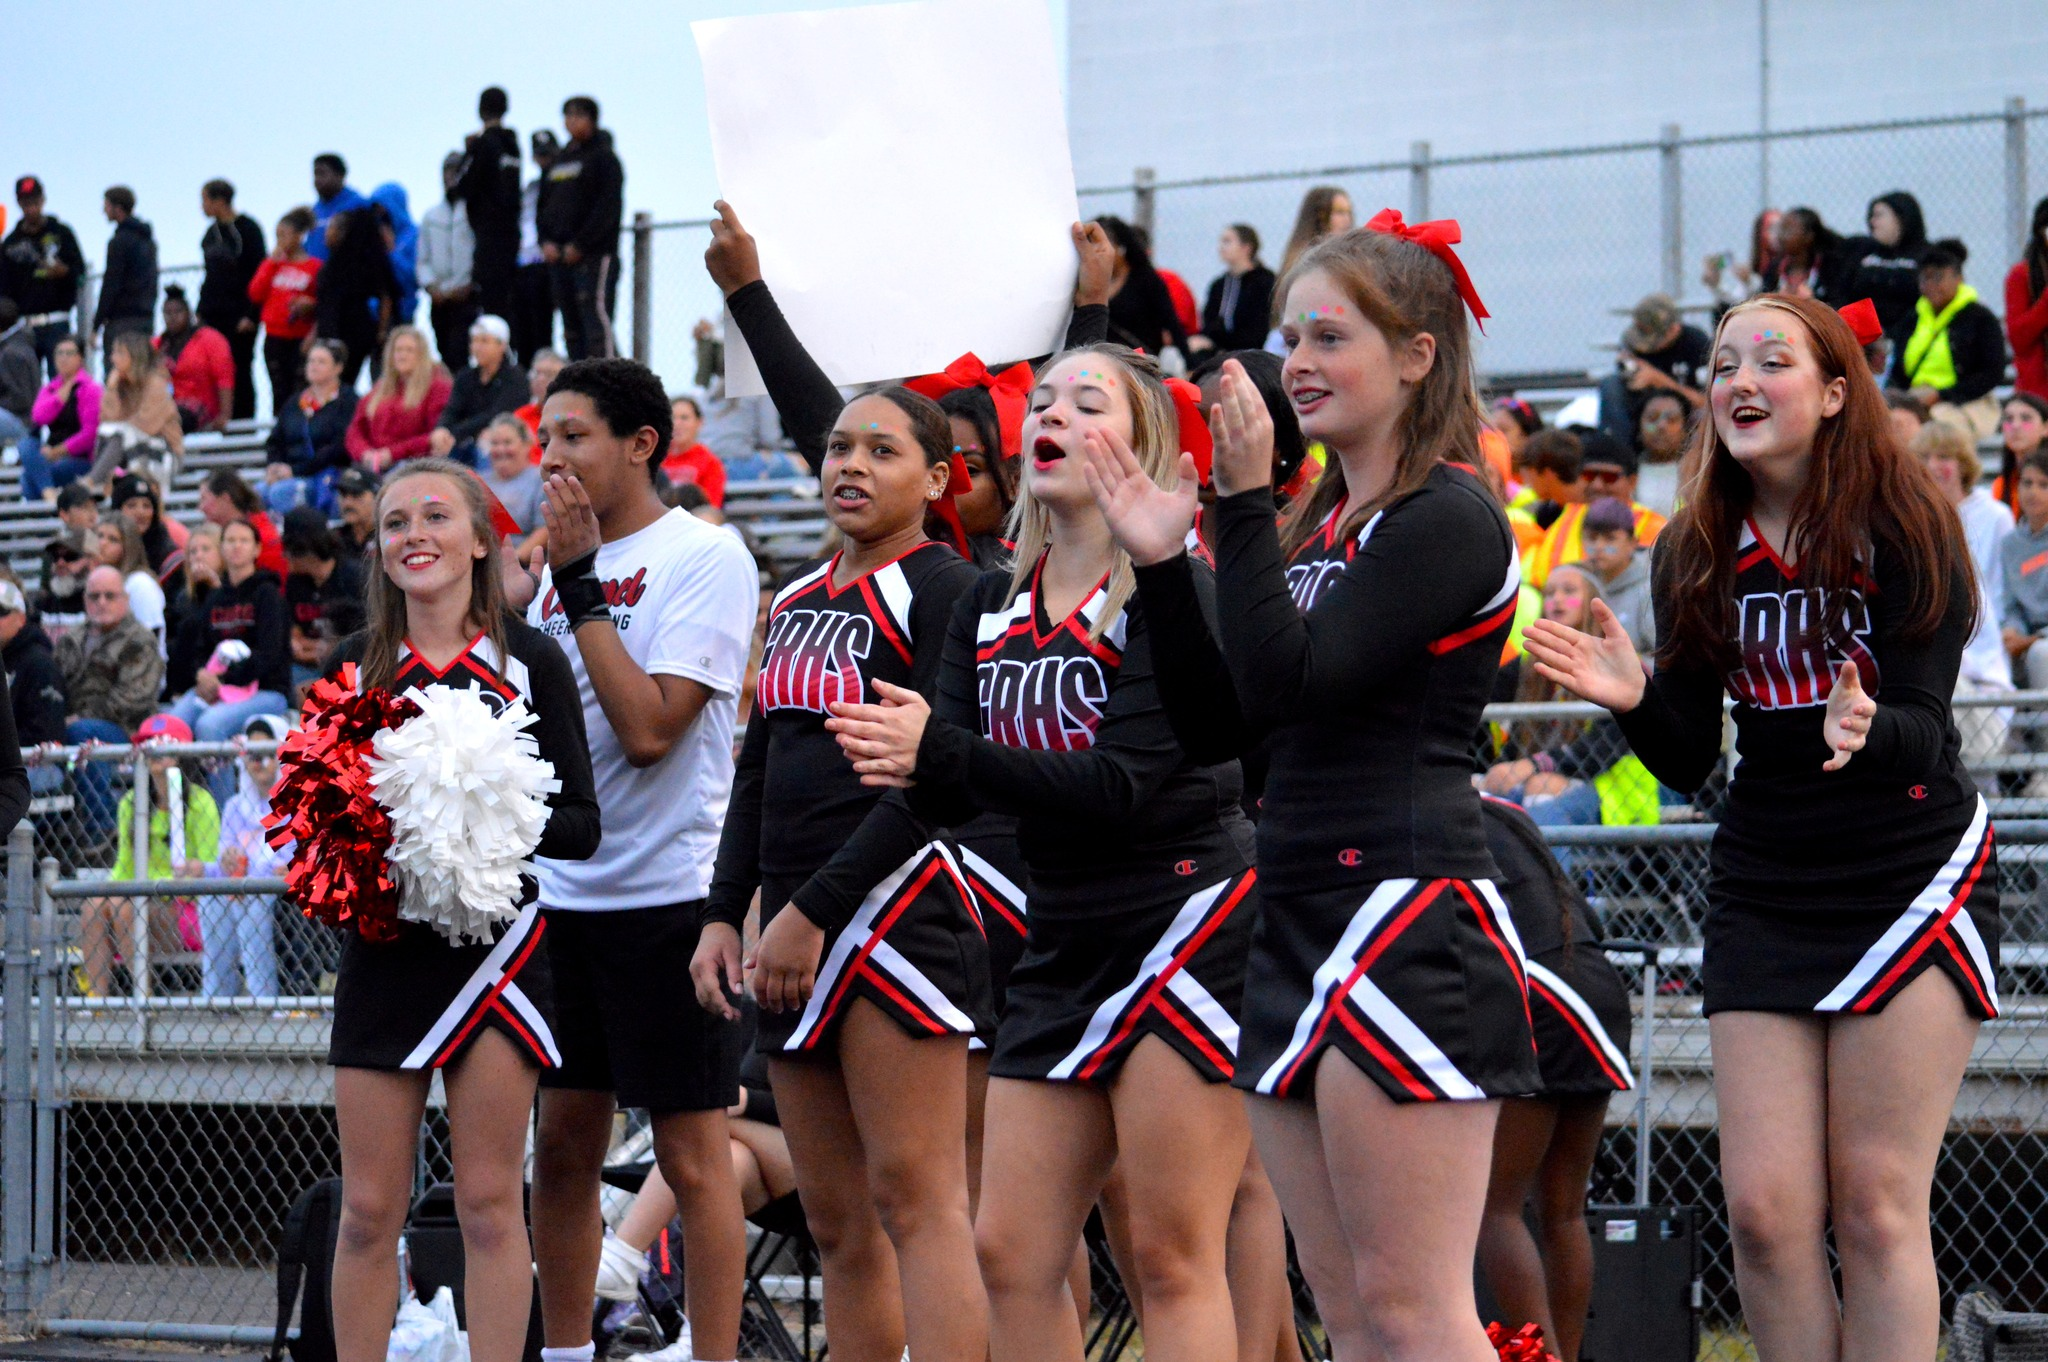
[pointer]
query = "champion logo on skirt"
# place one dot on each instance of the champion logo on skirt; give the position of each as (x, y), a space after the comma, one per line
(1184, 867)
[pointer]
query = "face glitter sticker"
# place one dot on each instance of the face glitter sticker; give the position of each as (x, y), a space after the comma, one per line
(1091, 376)
(1316, 314)
(1760, 337)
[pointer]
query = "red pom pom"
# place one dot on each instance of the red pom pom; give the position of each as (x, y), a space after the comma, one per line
(1525, 1346)
(339, 873)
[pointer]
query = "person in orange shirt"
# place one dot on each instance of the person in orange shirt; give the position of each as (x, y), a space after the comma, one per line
(1607, 469)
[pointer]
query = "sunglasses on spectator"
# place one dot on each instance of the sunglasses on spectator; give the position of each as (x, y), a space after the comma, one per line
(105, 595)
(1605, 475)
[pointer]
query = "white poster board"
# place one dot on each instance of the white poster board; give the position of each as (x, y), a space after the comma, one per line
(905, 171)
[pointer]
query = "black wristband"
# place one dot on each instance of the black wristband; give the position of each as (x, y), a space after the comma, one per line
(579, 593)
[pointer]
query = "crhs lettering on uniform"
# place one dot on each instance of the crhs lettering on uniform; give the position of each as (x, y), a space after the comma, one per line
(1050, 704)
(813, 659)
(1782, 637)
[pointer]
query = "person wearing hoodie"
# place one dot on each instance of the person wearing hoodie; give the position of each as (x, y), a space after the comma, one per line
(580, 214)
(331, 198)
(112, 674)
(235, 930)
(35, 684)
(308, 445)
(447, 262)
(2023, 581)
(233, 251)
(201, 364)
(1955, 355)
(244, 659)
(1609, 542)
(20, 374)
(357, 290)
(402, 244)
(533, 294)
(128, 284)
(1885, 265)
(2026, 308)
(40, 269)
(66, 416)
(490, 385)
(488, 186)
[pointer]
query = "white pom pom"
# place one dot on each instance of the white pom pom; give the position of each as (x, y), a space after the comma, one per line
(467, 793)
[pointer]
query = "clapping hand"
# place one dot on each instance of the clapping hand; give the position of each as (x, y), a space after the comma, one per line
(1850, 710)
(1242, 429)
(882, 740)
(1150, 522)
(1602, 668)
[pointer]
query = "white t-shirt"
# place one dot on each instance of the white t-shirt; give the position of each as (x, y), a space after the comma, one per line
(684, 595)
(146, 603)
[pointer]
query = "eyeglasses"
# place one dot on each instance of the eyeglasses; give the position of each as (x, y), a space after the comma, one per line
(105, 595)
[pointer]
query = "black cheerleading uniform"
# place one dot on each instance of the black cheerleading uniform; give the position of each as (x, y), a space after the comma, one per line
(1365, 664)
(417, 1002)
(1142, 891)
(1577, 1001)
(905, 937)
(1829, 891)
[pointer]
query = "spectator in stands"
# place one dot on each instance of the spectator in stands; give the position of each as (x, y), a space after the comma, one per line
(2023, 604)
(112, 674)
(1141, 314)
(491, 385)
(233, 251)
(533, 290)
(546, 364)
(447, 264)
(78, 508)
(690, 463)
(224, 499)
(1810, 258)
(201, 366)
(2026, 308)
(308, 445)
(60, 602)
(1623, 569)
(510, 472)
(1908, 414)
(1660, 351)
(1885, 265)
(355, 496)
(21, 374)
(396, 421)
(183, 607)
(1239, 309)
(35, 684)
(323, 592)
(1955, 355)
(1552, 477)
(140, 428)
(1325, 211)
(1516, 421)
(66, 416)
(331, 198)
(41, 268)
(1609, 469)
(137, 498)
(233, 685)
(2023, 425)
(488, 185)
(1662, 431)
(127, 298)
(1177, 291)
(1951, 459)
(1731, 280)
(356, 291)
(402, 246)
(179, 848)
(120, 547)
(283, 291)
(746, 435)
(579, 220)
(235, 929)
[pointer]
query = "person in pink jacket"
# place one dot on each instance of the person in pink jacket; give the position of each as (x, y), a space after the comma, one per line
(66, 415)
(396, 421)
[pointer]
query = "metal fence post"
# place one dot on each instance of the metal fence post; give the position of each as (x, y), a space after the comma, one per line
(50, 966)
(643, 286)
(138, 827)
(1418, 182)
(17, 1084)
(1144, 198)
(1671, 215)
(2016, 214)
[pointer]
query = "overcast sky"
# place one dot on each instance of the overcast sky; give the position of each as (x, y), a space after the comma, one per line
(164, 97)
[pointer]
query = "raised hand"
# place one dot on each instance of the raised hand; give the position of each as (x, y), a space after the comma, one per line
(1847, 725)
(732, 258)
(1098, 264)
(1150, 522)
(882, 740)
(1602, 668)
(1242, 429)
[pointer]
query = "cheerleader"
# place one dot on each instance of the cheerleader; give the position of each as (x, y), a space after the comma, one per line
(871, 985)
(1119, 1034)
(477, 1013)
(1385, 1010)
(1815, 574)
(1543, 1147)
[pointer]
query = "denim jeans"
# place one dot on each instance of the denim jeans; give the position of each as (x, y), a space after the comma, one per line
(39, 473)
(235, 931)
(288, 494)
(98, 800)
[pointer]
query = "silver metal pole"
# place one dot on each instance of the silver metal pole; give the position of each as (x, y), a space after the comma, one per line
(1643, 1078)
(1763, 104)
(52, 960)
(1144, 198)
(1671, 218)
(138, 951)
(1418, 182)
(643, 286)
(2017, 217)
(17, 1082)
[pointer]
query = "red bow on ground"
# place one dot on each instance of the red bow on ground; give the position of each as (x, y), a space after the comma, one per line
(1437, 238)
(1862, 318)
(339, 873)
(1195, 438)
(1010, 390)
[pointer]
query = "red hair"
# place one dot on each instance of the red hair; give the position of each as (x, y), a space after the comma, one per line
(1864, 492)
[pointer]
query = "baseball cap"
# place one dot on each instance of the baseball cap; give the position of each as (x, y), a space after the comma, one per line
(128, 487)
(354, 482)
(168, 727)
(1652, 319)
(68, 542)
(268, 727)
(496, 327)
(1607, 515)
(11, 602)
(1597, 446)
(28, 187)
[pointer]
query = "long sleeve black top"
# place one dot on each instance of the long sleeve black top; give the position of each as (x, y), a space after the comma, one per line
(1238, 311)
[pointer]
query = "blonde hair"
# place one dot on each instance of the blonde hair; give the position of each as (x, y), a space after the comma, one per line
(1155, 439)
(1938, 439)
(416, 387)
(387, 620)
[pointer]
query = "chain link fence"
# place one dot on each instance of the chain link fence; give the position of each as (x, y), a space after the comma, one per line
(168, 1103)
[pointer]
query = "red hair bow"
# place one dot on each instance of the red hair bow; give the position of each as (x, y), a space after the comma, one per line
(1437, 238)
(1010, 390)
(1195, 438)
(1862, 318)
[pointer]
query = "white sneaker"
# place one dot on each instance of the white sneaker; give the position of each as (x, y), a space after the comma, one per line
(619, 1267)
(678, 1351)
